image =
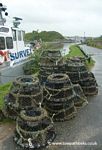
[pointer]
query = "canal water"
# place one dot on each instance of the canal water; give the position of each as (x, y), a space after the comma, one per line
(66, 49)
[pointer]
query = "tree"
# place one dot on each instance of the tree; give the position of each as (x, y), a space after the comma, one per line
(45, 36)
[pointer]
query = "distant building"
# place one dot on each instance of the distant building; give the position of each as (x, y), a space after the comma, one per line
(75, 39)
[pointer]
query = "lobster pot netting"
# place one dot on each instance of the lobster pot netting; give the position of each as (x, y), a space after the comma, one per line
(78, 73)
(51, 58)
(77, 59)
(34, 129)
(50, 62)
(45, 72)
(59, 97)
(90, 87)
(25, 92)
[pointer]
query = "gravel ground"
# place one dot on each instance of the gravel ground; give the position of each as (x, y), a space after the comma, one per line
(85, 127)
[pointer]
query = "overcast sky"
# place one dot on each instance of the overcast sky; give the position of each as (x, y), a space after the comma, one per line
(69, 17)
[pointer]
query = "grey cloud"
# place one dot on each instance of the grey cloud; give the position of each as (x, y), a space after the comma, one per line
(66, 16)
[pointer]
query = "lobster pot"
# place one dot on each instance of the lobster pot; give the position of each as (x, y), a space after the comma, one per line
(51, 62)
(80, 99)
(77, 59)
(45, 71)
(90, 87)
(59, 97)
(25, 92)
(51, 57)
(91, 75)
(34, 129)
(76, 71)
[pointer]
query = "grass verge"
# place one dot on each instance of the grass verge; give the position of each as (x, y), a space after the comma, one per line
(75, 51)
(3, 91)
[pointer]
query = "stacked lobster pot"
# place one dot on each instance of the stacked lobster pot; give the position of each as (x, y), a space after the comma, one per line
(78, 73)
(24, 92)
(34, 129)
(51, 62)
(59, 99)
(76, 70)
(90, 87)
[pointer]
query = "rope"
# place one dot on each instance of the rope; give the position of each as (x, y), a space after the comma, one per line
(59, 111)
(58, 92)
(28, 118)
(34, 134)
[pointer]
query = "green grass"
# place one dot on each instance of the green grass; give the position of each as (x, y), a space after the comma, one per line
(7, 120)
(4, 89)
(75, 51)
(94, 43)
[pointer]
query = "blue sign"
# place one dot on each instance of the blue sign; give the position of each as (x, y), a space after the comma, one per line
(20, 54)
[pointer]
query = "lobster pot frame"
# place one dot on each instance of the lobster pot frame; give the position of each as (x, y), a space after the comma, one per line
(77, 59)
(34, 129)
(90, 87)
(46, 71)
(51, 57)
(76, 71)
(59, 97)
(79, 74)
(24, 92)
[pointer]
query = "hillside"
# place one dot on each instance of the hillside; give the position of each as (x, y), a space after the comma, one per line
(96, 42)
(46, 36)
